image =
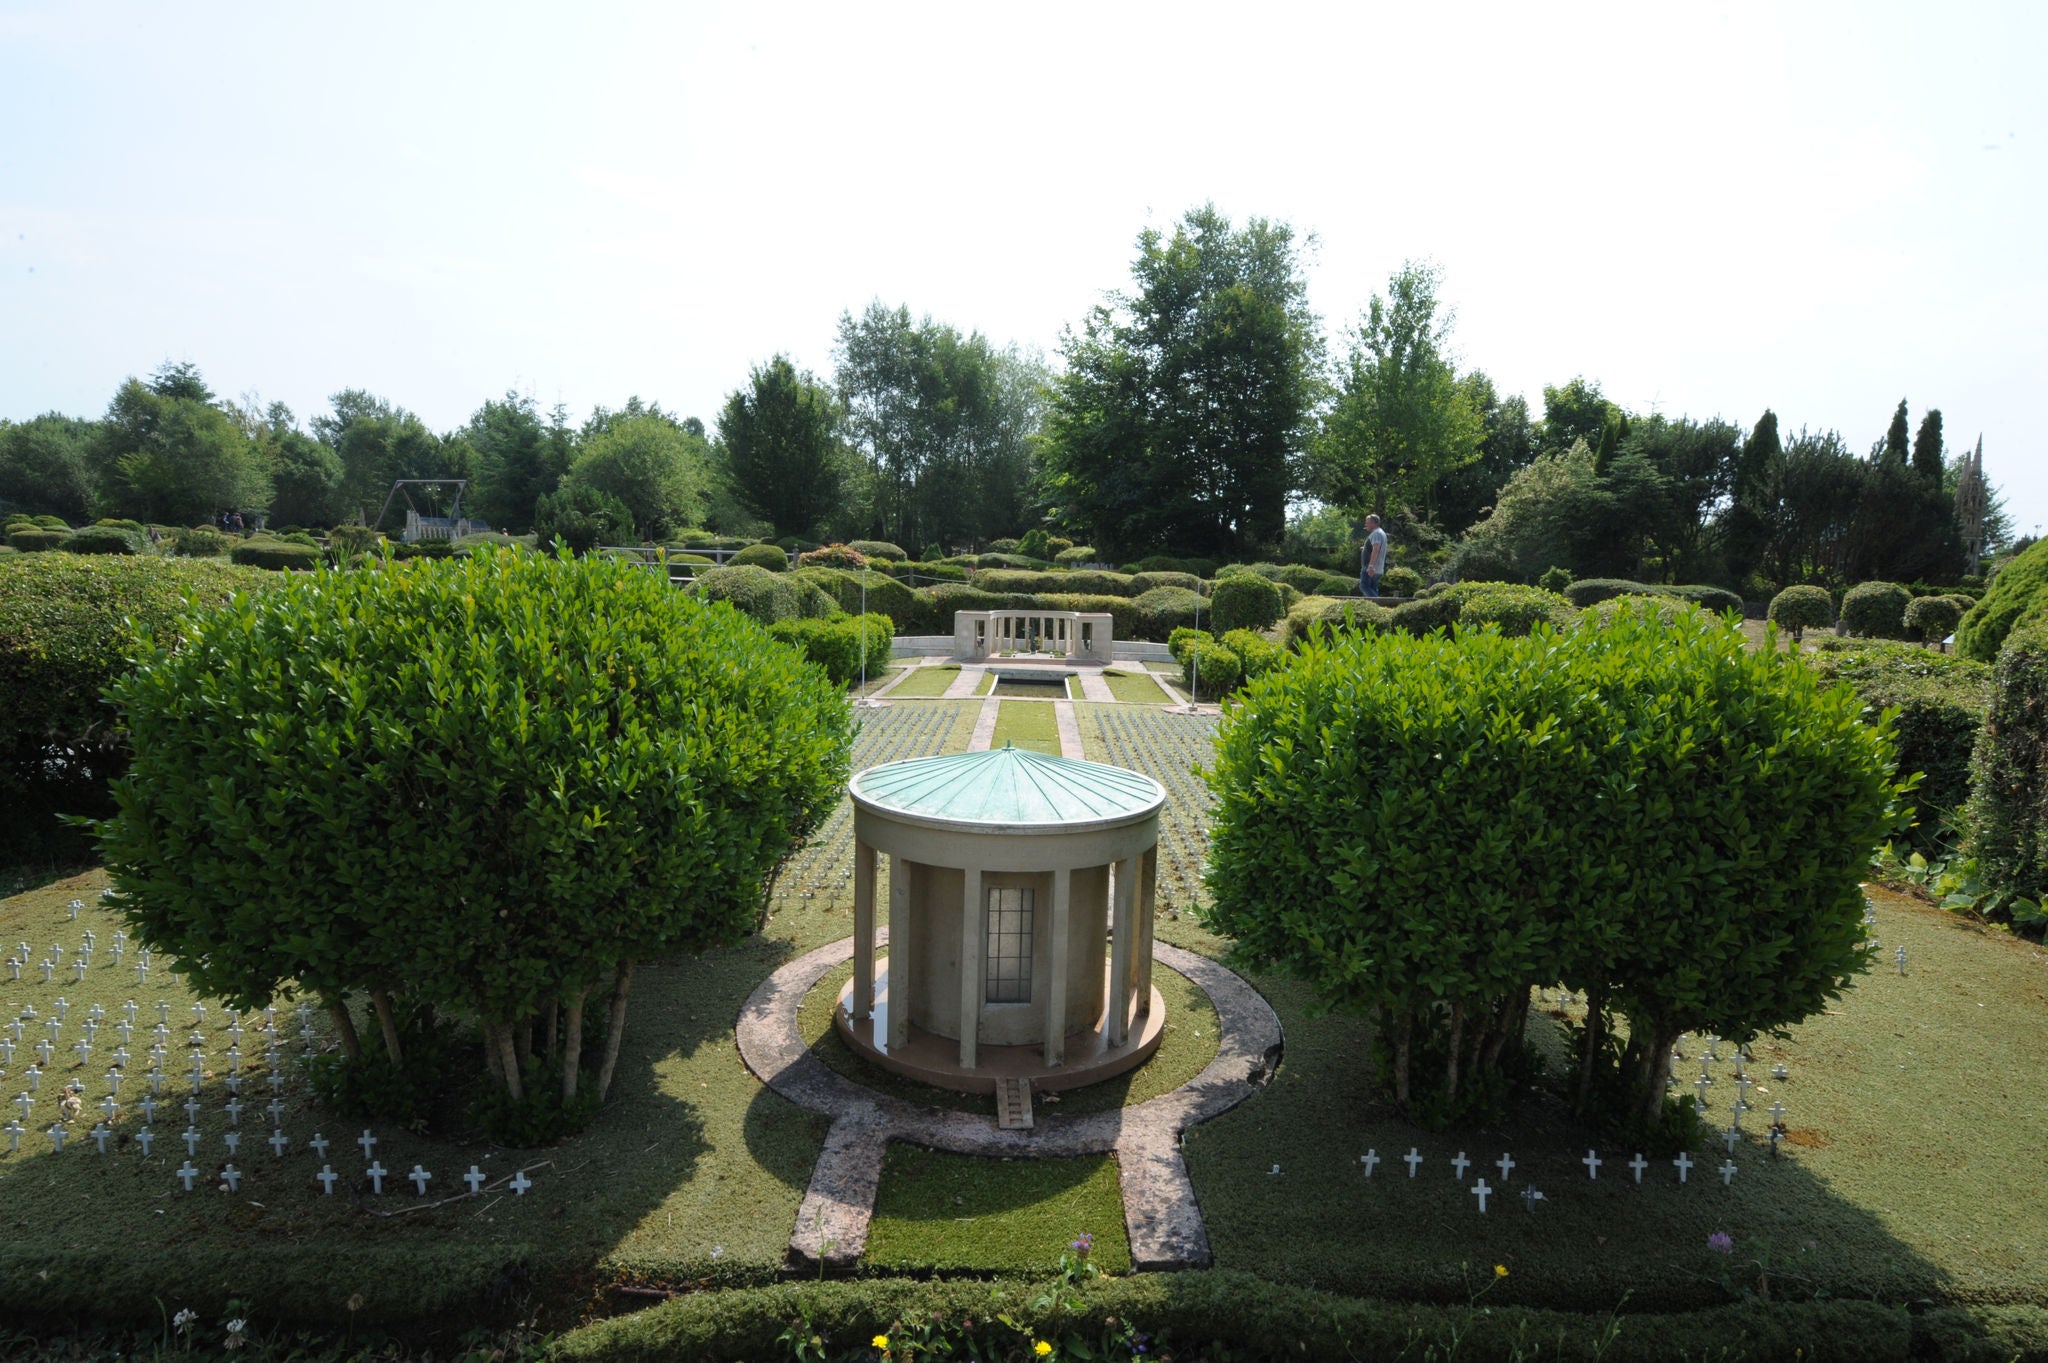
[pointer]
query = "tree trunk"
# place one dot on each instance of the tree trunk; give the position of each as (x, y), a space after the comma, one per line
(345, 1029)
(508, 1060)
(491, 1065)
(1596, 1000)
(1653, 1071)
(549, 1018)
(522, 1042)
(1402, 1037)
(1457, 1044)
(1503, 1028)
(387, 1023)
(620, 991)
(572, 1044)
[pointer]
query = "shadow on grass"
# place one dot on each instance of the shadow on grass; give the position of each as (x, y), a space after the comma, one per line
(1286, 1196)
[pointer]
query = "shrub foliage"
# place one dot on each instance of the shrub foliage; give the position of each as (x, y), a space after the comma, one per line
(2020, 591)
(1245, 602)
(1876, 610)
(2009, 807)
(488, 784)
(1647, 812)
(1801, 608)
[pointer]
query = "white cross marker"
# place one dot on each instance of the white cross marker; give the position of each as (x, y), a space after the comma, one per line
(143, 1138)
(1368, 1159)
(191, 1139)
(1506, 1165)
(1900, 957)
(231, 1176)
(319, 1144)
(15, 1131)
(278, 1141)
(377, 1171)
(1592, 1163)
(1779, 1072)
(1461, 1164)
(1413, 1159)
(187, 1173)
(1727, 1172)
(234, 1111)
(56, 1135)
(367, 1141)
(1777, 1111)
(1480, 1191)
(327, 1177)
(25, 1103)
(1682, 1163)
(420, 1178)
(1730, 1137)
(99, 1136)
(475, 1179)
(108, 1107)
(520, 1183)
(1638, 1164)
(234, 1140)
(276, 1111)
(1530, 1197)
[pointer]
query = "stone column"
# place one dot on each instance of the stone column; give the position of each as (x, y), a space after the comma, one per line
(863, 930)
(971, 965)
(1056, 987)
(1117, 1024)
(1148, 880)
(899, 951)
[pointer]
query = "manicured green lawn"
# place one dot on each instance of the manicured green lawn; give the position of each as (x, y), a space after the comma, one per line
(944, 1212)
(927, 681)
(1135, 688)
(1028, 724)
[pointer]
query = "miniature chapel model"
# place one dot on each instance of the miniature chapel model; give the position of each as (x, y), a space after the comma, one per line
(1020, 920)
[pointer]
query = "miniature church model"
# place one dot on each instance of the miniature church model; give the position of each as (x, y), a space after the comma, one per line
(1020, 920)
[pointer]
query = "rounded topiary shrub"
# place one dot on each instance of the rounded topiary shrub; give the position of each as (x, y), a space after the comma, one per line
(275, 554)
(1163, 610)
(1932, 618)
(884, 594)
(767, 556)
(1244, 602)
(1182, 639)
(1801, 608)
(36, 540)
(879, 549)
(2018, 592)
(1647, 811)
(1400, 582)
(1590, 591)
(754, 590)
(1209, 670)
(1509, 606)
(1256, 655)
(485, 786)
(1876, 610)
(1076, 556)
(102, 539)
(1555, 580)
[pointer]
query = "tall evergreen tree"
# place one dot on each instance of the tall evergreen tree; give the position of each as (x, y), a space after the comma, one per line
(783, 454)
(1893, 453)
(1928, 455)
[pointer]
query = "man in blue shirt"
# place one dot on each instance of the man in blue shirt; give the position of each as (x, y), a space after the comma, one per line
(1372, 559)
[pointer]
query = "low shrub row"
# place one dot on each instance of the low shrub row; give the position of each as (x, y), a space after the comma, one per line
(1591, 591)
(1234, 1315)
(842, 644)
(2008, 814)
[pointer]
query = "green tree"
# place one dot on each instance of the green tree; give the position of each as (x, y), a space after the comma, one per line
(1743, 529)
(1402, 421)
(167, 453)
(650, 464)
(1508, 443)
(378, 444)
(1893, 450)
(1697, 463)
(46, 466)
(784, 459)
(1929, 458)
(582, 517)
(1577, 411)
(1185, 401)
(305, 475)
(519, 458)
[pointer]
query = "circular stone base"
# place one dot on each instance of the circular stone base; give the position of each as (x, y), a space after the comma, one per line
(935, 1060)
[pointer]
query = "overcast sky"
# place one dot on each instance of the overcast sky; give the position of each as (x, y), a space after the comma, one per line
(1709, 210)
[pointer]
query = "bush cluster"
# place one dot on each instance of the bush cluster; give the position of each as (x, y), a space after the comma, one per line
(1396, 581)
(1244, 602)
(103, 539)
(878, 549)
(1800, 608)
(1941, 701)
(1075, 557)
(2009, 810)
(584, 766)
(841, 645)
(1876, 610)
(274, 554)
(764, 595)
(2019, 592)
(1933, 618)
(767, 556)
(1208, 669)
(1651, 813)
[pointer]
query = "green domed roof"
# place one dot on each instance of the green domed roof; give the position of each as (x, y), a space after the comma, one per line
(1008, 788)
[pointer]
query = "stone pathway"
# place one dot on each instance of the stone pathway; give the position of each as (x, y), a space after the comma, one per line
(1069, 727)
(965, 685)
(985, 726)
(1093, 687)
(1161, 1215)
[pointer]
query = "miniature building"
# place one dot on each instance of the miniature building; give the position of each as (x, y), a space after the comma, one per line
(1012, 876)
(1086, 635)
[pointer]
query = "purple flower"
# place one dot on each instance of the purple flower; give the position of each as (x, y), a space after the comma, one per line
(1721, 1242)
(1083, 1245)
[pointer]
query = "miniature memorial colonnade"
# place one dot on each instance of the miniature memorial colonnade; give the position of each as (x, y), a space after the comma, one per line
(1085, 635)
(1012, 875)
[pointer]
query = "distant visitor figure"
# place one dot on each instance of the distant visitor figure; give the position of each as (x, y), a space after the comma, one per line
(1372, 559)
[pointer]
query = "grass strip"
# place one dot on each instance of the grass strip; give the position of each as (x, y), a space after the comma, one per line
(1028, 724)
(951, 1212)
(927, 681)
(1135, 688)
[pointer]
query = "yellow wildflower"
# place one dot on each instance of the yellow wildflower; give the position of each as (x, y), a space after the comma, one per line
(1041, 1348)
(1500, 1270)
(880, 1341)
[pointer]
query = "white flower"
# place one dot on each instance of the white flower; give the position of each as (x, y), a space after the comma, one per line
(235, 1328)
(184, 1319)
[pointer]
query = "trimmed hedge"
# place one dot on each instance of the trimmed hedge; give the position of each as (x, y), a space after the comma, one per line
(32, 541)
(1145, 582)
(102, 539)
(1255, 653)
(753, 590)
(2020, 591)
(1214, 667)
(1222, 1313)
(1932, 618)
(767, 556)
(1514, 608)
(1591, 591)
(840, 644)
(1715, 599)
(1164, 609)
(1801, 608)
(1395, 582)
(1075, 557)
(1092, 581)
(878, 549)
(1876, 610)
(1317, 614)
(1942, 702)
(275, 554)
(1245, 602)
(885, 595)
(2008, 817)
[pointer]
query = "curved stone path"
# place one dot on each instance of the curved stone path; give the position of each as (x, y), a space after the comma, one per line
(1160, 1212)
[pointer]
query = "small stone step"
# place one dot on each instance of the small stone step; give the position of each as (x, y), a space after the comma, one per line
(1013, 1104)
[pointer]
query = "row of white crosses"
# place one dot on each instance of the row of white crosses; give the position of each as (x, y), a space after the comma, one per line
(81, 957)
(1531, 1195)
(1741, 1059)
